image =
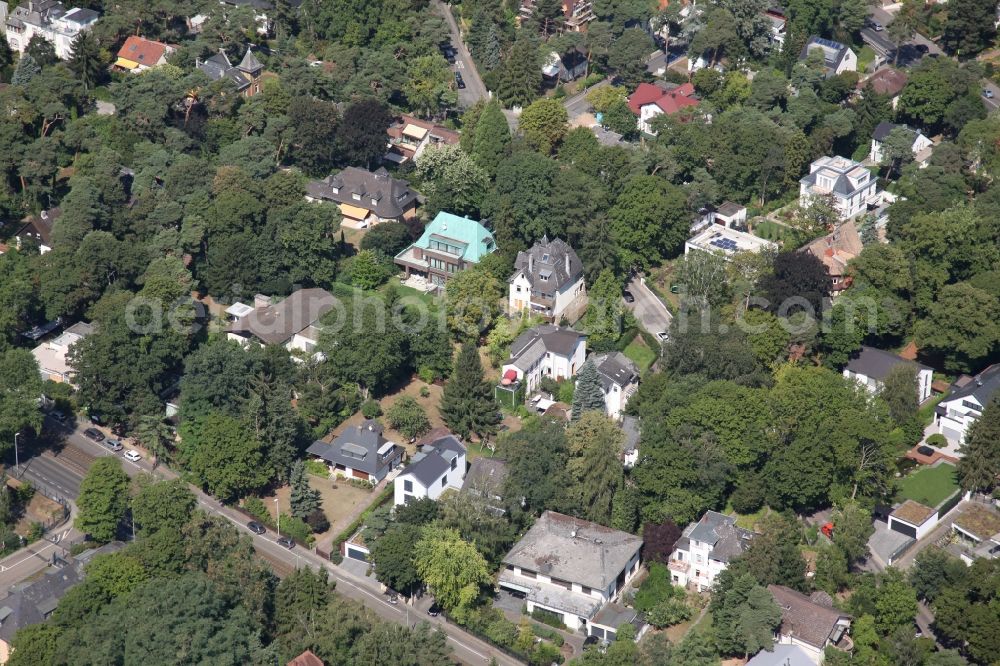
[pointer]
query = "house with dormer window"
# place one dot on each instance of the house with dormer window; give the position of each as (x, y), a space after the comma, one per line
(438, 465)
(359, 452)
(849, 185)
(366, 198)
(449, 244)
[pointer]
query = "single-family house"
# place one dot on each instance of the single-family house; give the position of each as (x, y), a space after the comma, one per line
(811, 623)
(366, 198)
(409, 137)
(887, 81)
(307, 658)
(138, 54)
(921, 146)
(244, 77)
(705, 549)
(965, 402)
(651, 100)
(977, 528)
(37, 229)
(837, 58)
(835, 250)
(913, 519)
(292, 323)
(576, 13)
(52, 21)
(449, 244)
(545, 351)
(486, 479)
(568, 66)
(548, 280)
(571, 568)
(726, 242)
(778, 23)
(848, 183)
(52, 355)
(870, 366)
(438, 465)
(359, 452)
(619, 377)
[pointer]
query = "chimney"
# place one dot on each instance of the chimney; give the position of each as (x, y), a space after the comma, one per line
(567, 264)
(531, 262)
(261, 301)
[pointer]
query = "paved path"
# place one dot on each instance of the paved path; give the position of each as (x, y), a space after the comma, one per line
(577, 104)
(467, 648)
(648, 309)
(474, 89)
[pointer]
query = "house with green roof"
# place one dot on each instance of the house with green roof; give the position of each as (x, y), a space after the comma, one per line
(449, 244)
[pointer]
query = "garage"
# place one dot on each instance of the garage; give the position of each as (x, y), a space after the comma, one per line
(357, 554)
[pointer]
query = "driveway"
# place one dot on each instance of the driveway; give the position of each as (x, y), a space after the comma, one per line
(648, 309)
(474, 89)
(577, 104)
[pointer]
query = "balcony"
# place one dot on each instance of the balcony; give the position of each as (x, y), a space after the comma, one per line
(679, 566)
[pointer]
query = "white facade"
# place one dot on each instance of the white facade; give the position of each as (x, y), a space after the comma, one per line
(705, 549)
(550, 364)
(52, 356)
(408, 486)
(694, 566)
(925, 376)
(51, 21)
(955, 416)
(616, 397)
(848, 182)
(920, 143)
(519, 297)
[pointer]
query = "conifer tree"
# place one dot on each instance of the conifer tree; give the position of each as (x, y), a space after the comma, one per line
(304, 500)
(467, 404)
(588, 394)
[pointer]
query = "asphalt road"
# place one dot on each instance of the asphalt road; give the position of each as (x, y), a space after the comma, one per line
(68, 467)
(577, 104)
(474, 89)
(647, 308)
(991, 103)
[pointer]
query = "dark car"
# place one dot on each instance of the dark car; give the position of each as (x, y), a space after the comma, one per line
(448, 53)
(286, 542)
(114, 445)
(94, 434)
(590, 641)
(627, 295)
(459, 81)
(96, 418)
(434, 610)
(393, 598)
(256, 527)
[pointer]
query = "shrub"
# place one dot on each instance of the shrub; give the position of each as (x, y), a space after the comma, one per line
(668, 613)
(548, 617)
(35, 532)
(938, 440)
(545, 654)
(371, 409)
(317, 521)
(501, 631)
(318, 468)
(296, 528)
(566, 390)
(256, 508)
(547, 634)
(408, 417)
(336, 557)
(427, 376)
(425, 392)
(656, 589)
(548, 385)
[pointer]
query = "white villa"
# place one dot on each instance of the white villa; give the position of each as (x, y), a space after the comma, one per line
(849, 183)
(49, 19)
(705, 549)
(438, 466)
(545, 351)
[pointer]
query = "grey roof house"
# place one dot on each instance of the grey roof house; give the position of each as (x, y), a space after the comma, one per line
(548, 280)
(486, 478)
(292, 322)
(245, 76)
(870, 366)
(705, 549)
(619, 377)
(837, 58)
(811, 623)
(366, 197)
(360, 452)
(439, 464)
(570, 567)
(965, 404)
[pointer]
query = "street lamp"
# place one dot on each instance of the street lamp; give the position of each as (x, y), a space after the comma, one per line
(277, 512)
(17, 463)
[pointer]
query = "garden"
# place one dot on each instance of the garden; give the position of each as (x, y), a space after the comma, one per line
(930, 485)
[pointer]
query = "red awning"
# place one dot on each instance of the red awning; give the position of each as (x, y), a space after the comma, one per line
(509, 377)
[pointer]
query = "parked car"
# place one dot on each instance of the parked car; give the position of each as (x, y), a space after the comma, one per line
(627, 295)
(393, 598)
(286, 542)
(663, 336)
(256, 527)
(132, 455)
(987, 93)
(449, 53)
(459, 81)
(94, 434)
(876, 26)
(434, 610)
(95, 418)
(114, 445)
(589, 641)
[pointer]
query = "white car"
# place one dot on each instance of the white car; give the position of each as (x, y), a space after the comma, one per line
(132, 455)
(663, 336)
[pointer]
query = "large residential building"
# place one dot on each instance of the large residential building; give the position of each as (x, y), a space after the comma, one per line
(449, 244)
(920, 145)
(360, 452)
(244, 77)
(705, 549)
(619, 377)
(138, 54)
(548, 280)
(50, 20)
(366, 198)
(52, 355)
(837, 58)
(870, 366)
(811, 623)
(835, 250)
(652, 100)
(571, 567)
(850, 185)
(438, 465)
(409, 137)
(966, 401)
(291, 323)
(544, 351)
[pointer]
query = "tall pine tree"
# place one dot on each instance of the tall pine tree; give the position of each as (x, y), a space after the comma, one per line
(980, 463)
(86, 60)
(521, 73)
(467, 405)
(492, 136)
(588, 394)
(304, 499)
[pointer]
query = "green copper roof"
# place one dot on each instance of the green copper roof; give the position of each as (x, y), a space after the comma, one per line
(478, 241)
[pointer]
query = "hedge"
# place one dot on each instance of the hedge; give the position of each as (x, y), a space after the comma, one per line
(547, 634)
(356, 524)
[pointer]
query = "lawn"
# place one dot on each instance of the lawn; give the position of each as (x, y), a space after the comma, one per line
(640, 353)
(930, 486)
(746, 521)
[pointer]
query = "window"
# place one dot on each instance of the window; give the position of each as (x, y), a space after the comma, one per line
(444, 480)
(408, 486)
(408, 499)
(527, 574)
(585, 589)
(356, 197)
(561, 583)
(697, 573)
(454, 462)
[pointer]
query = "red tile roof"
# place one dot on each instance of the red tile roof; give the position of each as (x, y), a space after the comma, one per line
(670, 101)
(143, 51)
(307, 658)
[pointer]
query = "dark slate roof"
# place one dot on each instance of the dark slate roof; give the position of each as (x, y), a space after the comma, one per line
(391, 195)
(249, 63)
(615, 368)
(216, 66)
(883, 129)
(877, 363)
(40, 226)
(357, 447)
(721, 531)
(219, 67)
(555, 259)
(435, 460)
(486, 473)
(630, 426)
(833, 52)
(32, 603)
(981, 387)
(543, 338)
(803, 618)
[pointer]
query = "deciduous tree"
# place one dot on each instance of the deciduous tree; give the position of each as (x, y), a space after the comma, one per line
(543, 123)
(103, 499)
(453, 569)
